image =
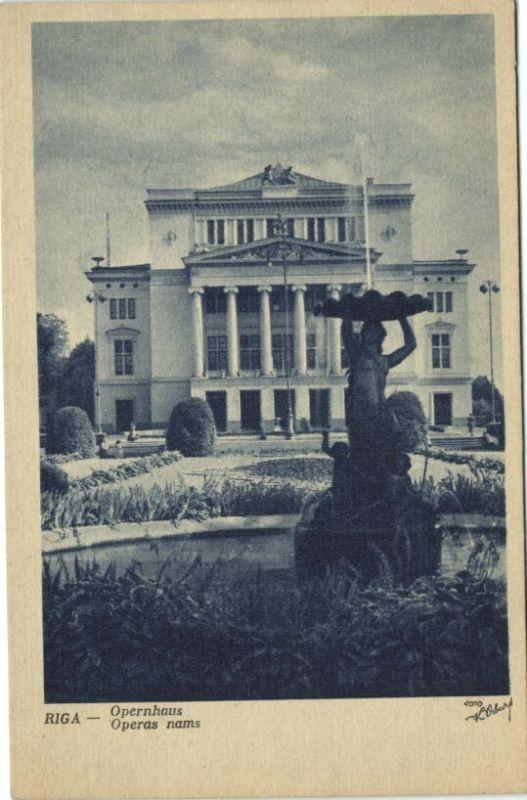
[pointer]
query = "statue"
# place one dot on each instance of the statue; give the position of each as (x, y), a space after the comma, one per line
(372, 501)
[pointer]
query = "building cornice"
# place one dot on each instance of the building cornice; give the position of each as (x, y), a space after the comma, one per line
(312, 203)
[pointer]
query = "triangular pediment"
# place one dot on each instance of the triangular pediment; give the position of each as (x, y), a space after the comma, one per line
(277, 248)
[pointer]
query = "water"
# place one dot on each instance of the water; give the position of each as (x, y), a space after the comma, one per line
(241, 553)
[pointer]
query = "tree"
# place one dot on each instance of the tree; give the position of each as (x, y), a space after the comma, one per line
(191, 428)
(52, 342)
(78, 376)
(482, 390)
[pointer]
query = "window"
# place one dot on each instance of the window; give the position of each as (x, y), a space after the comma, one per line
(221, 231)
(441, 351)
(123, 356)
(210, 231)
(311, 350)
(122, 308)
(215, 301)
(248, 301)
(249, 352)
(344, 360)
(280, 356)
(351, 229)
(290, 226)
(269, 227)
(341, 229)
(441, 301)
(240, 233)
(321, 229)
(250, 230)
(315, 296)
(216, 353)
(278, 299)
(311, 229)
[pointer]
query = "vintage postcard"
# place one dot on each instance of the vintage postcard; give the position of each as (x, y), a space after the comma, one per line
(264, 435)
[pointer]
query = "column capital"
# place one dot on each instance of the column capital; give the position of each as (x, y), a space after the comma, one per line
(264, 289)
(196, 289)
(233, 289)
(299, 287)
(334, 287)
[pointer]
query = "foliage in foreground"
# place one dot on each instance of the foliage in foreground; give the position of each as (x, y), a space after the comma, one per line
(109, 638)
(483, 493)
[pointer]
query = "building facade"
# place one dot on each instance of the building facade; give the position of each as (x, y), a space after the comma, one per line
(225, 310)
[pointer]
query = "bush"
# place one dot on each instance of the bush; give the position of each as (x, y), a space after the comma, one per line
(130, 639)
(70, 431)
(482, 411)
(52, 478)
(411, 421)
(191, 428)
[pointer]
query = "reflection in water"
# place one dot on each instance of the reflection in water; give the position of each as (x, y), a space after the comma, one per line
(271, 552)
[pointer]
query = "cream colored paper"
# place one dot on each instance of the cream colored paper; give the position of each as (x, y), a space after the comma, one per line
(267, 748)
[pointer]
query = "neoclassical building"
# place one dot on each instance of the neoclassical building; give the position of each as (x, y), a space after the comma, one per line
(225, 310)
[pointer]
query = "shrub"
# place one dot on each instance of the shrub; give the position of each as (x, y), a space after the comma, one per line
(53, 478)
(191, 428)
(411, 421)
(127, 638)
(70, 431)
(482, 411)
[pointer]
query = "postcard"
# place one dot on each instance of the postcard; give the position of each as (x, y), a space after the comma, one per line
(261, 291)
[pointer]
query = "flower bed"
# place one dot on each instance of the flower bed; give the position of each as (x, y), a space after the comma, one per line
(460, 458)
(131, 639)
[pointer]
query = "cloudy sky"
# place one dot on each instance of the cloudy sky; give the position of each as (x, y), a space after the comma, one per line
(120, 107)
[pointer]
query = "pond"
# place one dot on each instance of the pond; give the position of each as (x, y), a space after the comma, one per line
(240, 552)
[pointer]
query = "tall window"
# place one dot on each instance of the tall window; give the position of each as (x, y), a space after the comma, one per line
(250, 230)
(279, 351)
(240, 231)
(290, 226)
(221, 231)
(122, 308)
(344, 360)
(341, 229)
(351, 235)
(315, 296)
(215, 301)
(216, 353)
(211, 238)
(123, 350)
(441, 351)
(321, 229)
(311, 229)
(278, 299)
(249, 351)
(269, 227)
(248, 302)
(441, 301)
(311, 350)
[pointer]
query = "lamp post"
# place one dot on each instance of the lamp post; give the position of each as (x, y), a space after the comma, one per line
(97, 297)
(490, 288)
(280, 229)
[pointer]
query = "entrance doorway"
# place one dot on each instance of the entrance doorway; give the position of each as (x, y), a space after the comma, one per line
(319, 408)
(280, 406)
(217, 402)
(250, 410)
(442, 408)
(124, 415)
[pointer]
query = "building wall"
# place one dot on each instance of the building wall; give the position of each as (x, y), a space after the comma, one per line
(121, 390)
(171, 238)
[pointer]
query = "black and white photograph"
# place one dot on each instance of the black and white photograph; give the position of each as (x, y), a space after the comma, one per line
(272, 403)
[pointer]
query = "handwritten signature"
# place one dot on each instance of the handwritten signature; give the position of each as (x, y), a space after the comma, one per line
(485, 712)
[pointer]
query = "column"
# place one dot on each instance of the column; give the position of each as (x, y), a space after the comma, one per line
(304, 228)
(300, 331)
(334, 334)
(197, 330)
(232, 330)
(266, 350)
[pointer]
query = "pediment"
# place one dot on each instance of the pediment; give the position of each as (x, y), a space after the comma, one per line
(122, 331)
(277, 249)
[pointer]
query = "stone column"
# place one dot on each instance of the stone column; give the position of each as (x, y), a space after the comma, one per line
(232, 330)
(266, 349)
(197, 330)
(334, 334)
(300, 331)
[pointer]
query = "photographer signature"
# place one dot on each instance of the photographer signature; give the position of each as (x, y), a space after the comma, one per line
(485, 712)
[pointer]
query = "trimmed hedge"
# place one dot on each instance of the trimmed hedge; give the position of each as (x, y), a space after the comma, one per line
(191, 428)
(70, 431)
(411, 421)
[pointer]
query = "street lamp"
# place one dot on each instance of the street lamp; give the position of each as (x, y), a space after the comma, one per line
(97, 297)
(279, 227)
(490, 288)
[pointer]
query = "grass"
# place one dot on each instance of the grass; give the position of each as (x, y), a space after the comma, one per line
(109, 638)
(315, 468)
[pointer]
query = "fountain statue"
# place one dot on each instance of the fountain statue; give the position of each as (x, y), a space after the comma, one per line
(372, 518)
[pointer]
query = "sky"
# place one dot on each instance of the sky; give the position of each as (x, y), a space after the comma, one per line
(121, 107)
